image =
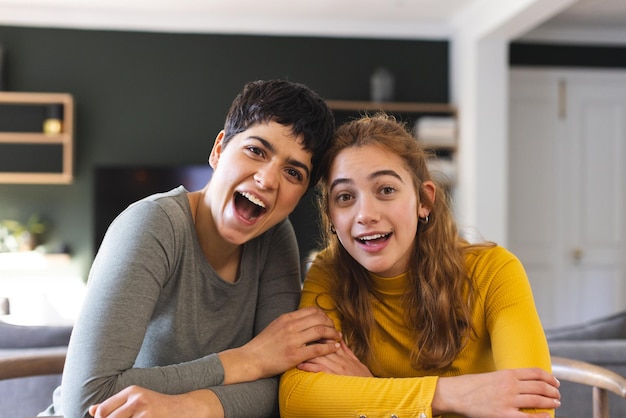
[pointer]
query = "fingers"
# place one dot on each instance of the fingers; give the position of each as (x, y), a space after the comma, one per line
(316, 365)
(539, 394)
(289, 340)
(311, 325)
(311, 317)
(109, 406)
(318, 349)
(540, 386)
(516, 389)
(534, 401)
(535, 388)
(118, 403)
(319, 334)
(341, 362)
(93, 409)
(537, 374)
(346, 349)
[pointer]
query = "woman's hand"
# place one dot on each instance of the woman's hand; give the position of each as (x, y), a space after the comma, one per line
(342, 362)
(289, 340)
(500, 394)
(135, 401)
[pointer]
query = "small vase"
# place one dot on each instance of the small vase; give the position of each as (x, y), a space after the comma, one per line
(382, 85)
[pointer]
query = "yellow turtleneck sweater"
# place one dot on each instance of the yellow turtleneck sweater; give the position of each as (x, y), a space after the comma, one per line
(508, 335)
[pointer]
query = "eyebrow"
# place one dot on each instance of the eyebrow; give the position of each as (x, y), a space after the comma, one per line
(372, 176)
(291, 161)
(384, 173)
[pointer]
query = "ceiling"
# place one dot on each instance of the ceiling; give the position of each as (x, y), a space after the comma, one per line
(600, 14)
(362, 18)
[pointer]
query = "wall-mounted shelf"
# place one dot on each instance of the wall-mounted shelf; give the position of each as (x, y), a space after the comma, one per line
(27, 153)
(438, 132)
(392, 107)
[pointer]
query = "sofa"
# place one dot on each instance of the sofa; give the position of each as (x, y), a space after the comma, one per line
(26, 397)
(601, 342)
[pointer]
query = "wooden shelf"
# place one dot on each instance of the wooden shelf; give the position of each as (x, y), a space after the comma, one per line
(400, 107)
(34, 138)
(39, 140)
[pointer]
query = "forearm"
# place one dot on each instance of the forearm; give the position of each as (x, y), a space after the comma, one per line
(240, 365)
(203, 403)
(80, 390)
(176, 378)
(305, 394)
(249, 400)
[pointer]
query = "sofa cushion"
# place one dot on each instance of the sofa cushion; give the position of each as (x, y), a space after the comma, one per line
(28, 396)
(607, 353)
(27, 336)
(608, 328)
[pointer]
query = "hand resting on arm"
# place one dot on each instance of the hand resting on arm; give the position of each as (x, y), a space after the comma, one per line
(289, 340)
(497, 394)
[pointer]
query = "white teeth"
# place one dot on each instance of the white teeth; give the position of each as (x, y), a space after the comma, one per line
(253, 199)
(372, 237)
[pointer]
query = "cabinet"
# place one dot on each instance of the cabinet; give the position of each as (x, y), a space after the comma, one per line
(434, 124)
(41, 289)
(27, 153)
(567, 219)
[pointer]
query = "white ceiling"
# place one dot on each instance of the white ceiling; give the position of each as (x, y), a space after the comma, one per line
(410, 19)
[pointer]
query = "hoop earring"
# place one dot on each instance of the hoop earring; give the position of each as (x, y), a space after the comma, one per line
(423, 220)
(333, 230)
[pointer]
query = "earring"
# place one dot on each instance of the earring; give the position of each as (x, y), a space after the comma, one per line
(423, 220)
(332, 229)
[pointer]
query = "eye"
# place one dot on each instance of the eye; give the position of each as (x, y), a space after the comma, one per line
(295, 174)
(386, 190)
(343, 197)
(255, 150)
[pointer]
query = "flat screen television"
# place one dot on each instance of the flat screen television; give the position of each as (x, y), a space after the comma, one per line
(116, 187)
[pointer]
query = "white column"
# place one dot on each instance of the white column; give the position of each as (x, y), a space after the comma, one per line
(481, 197)
(479, 85)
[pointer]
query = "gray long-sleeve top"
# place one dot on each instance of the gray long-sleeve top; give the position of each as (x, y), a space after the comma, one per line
(156, 313)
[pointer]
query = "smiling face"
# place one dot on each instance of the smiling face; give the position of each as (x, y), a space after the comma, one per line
(373, 206)
(258, 179)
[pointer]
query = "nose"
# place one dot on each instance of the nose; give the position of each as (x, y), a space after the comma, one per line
(267, 177)
(368, 211)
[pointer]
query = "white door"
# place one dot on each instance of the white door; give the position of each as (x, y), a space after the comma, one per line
(567, 218)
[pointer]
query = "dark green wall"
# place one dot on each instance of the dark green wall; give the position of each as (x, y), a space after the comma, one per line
(558, 55)
(160, 98)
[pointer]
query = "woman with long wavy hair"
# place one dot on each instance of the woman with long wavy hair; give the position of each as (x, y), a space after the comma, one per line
(431, 324)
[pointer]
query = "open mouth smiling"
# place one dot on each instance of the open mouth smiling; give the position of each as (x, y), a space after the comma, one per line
(248, 206)
(374, 239)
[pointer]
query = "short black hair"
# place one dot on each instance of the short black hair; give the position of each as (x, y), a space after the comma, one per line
(289, 104)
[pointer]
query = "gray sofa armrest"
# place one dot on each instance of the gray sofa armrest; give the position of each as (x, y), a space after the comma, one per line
(31, 362)
(600, 352)
(22, 336)
(608, 328)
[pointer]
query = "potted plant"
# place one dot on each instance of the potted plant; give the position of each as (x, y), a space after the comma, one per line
(17, 236)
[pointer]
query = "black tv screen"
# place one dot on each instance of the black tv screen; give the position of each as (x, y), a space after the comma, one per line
(116, 187)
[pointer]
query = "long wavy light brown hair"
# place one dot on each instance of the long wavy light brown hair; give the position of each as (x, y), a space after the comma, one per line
(438, 303)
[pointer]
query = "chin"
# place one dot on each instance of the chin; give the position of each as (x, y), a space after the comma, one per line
(376, 268)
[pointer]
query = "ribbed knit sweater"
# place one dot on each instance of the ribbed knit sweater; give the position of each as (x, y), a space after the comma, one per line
(508, 334)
